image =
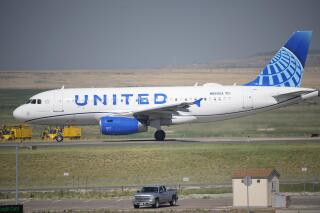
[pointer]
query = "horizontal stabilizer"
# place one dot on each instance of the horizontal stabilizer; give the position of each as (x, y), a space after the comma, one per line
(303, 94)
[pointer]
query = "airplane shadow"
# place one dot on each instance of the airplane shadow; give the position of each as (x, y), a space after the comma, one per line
(153, 141)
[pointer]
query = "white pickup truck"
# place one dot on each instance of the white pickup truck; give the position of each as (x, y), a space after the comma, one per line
(154, 196)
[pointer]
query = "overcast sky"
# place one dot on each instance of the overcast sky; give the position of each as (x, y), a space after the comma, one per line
(78, 34)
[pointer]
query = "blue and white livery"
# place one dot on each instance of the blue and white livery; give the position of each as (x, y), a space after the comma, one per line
(129, 110)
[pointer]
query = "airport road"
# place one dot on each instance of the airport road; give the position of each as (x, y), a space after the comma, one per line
(223, 201)
(168, 141)
(123, 204)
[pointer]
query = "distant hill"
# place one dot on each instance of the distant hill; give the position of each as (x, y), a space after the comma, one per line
(258, 60)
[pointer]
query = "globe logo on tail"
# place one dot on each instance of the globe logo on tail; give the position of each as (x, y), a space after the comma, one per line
(284, 69)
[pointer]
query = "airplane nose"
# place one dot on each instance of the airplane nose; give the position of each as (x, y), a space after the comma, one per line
(18, 114)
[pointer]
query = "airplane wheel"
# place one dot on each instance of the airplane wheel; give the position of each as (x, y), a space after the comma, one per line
(160, 135)
(59, 138)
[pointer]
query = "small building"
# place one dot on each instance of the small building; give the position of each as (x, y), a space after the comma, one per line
(264, 185)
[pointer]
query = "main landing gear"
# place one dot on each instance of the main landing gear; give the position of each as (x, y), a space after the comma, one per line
(160, 135)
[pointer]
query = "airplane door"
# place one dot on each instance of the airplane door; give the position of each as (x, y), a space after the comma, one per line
(58, 101)
(248, 100)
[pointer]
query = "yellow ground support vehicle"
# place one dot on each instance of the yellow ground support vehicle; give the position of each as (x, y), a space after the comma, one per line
(16, 132)
(59, 134)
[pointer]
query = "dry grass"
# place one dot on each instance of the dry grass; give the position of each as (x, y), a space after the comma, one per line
(119, 78)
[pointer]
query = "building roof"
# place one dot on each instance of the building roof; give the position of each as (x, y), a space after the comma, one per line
(256, 173)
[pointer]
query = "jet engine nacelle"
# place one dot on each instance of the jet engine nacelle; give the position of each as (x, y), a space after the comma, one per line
(121, 126)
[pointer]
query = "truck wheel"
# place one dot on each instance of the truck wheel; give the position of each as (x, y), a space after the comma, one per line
(173, 202)
(59, 138)
(136, 206)
(156, 204)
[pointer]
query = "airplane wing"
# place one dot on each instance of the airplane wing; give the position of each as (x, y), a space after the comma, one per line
(164, 111)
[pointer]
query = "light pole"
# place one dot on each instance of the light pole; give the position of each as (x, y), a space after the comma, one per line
(17, 174)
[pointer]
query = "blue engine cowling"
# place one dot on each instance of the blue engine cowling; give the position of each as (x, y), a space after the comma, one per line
(121, 126)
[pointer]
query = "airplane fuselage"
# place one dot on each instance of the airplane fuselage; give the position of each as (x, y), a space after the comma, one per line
(87, 106)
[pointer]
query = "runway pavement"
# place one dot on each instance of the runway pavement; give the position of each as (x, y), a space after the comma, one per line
(120, 142)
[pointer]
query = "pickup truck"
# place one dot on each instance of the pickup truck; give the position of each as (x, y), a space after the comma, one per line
(154, 196)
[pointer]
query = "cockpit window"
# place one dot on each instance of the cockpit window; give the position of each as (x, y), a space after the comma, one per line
(34, 101)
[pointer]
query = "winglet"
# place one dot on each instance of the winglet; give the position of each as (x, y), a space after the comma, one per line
(197, 102)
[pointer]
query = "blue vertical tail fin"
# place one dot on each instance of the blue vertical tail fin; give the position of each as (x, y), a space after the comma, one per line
(286, 68)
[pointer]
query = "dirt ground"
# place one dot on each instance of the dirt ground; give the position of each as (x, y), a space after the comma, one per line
(119, 78)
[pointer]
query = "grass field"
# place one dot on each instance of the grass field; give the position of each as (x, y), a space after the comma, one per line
(167, 163)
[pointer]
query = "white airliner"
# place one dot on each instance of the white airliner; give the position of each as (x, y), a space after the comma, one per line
(128, 110)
